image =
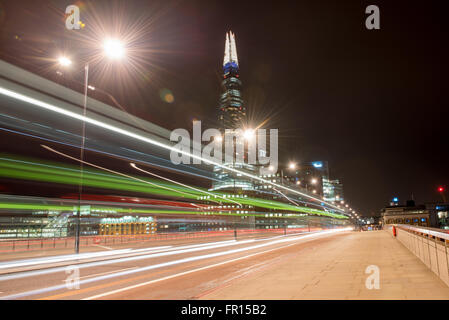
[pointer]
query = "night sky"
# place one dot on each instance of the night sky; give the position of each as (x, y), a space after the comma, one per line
(373, 103)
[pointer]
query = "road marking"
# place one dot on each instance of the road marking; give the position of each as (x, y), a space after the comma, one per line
(104, 247)
(182, 274)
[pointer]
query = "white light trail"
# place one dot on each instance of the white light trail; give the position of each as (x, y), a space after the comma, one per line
(149, 253)
(112, 171)
(286, 197)
(182, 273)
(181, 184)
(175, 262)
(127, 133)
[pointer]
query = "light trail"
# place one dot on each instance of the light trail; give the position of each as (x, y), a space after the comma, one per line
(137, 254)
(175, 262)
(287, 197)
(182, 273)
(70, 257)
(28, 171)
(127, 133)
(131, 177)
(111, 154)
(112, 171)
(181, 184)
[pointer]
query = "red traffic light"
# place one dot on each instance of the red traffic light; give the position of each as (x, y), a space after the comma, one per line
(440, 189)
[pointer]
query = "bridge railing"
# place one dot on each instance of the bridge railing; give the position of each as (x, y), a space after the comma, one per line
(430, 245)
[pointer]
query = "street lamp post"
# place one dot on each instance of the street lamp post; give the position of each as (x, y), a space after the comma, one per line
(291, 166)
(115, 50)
(83, 141)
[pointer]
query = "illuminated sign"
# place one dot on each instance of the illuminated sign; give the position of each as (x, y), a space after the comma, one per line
(317, 164)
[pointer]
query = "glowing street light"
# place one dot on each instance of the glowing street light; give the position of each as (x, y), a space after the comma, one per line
(64, 61)
(114, 48)
(292, 165)
(314, 181)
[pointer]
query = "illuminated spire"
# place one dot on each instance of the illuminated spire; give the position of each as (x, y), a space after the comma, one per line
(226, 53)
(230, 54)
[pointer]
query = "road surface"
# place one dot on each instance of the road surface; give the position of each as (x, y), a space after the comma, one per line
(305, 266)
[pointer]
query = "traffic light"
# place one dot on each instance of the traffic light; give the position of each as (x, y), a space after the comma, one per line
(440, 189)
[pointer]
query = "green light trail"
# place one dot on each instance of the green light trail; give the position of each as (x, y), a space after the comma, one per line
(26, 169)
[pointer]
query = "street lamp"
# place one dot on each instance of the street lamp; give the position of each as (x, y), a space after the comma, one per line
(64, 61)
(114, 49)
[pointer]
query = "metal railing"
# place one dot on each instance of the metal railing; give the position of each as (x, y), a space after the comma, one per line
(430, 245)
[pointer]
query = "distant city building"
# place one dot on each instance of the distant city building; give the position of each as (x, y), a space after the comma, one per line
(441, 212)
(232, 113)
(232, 116)
(410, 213)
(332, 190)
(309, 176)
(312, 177)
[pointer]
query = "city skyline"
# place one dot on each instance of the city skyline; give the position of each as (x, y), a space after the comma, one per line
(293, 94)
(224, 155)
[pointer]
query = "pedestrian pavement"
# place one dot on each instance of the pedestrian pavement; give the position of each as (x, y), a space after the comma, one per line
(337, 270)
